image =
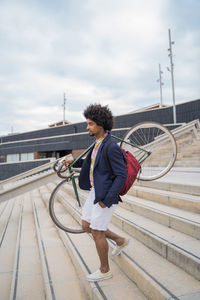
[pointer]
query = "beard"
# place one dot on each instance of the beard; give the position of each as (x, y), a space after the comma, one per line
(91, 134)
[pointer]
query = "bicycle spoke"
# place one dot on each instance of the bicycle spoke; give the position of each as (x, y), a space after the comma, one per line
(156, 139)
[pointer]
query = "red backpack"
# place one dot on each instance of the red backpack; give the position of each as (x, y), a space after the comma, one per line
(132, 165)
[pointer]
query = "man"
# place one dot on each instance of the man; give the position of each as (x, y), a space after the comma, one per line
(104, 192)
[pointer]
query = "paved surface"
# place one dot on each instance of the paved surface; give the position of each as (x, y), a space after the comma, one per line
(189, 176)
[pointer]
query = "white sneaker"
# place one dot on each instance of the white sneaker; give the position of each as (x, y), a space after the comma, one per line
(98, 275)
(118, 249)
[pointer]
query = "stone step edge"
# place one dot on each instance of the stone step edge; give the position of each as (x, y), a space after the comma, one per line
(169, 186)
(171, 217)
(92, 289)
(149, 204)
(146, 282)
(47, 278)
(169, 193)
(151, 283)
(13, 287)
(149, 286)
(49, 291)
(167, 198)
(160, 246)
(173, 253)
(172, 220)
(128, 264)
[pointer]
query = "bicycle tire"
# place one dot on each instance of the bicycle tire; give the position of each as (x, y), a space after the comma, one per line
(64, 208)
(154, 138)
(61, 170)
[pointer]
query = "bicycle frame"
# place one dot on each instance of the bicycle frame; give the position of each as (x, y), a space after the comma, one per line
(74, 170)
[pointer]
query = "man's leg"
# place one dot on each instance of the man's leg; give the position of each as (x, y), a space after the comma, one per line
(86, 217)
(102, 249)
(86, 226)
(119, 240)
(109, 234)
(102, 244)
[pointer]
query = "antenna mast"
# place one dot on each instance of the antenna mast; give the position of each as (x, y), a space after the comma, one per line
(161, 84)
(172, 74)
(64, 106)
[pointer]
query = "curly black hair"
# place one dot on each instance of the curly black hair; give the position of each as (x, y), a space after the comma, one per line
(101, 115)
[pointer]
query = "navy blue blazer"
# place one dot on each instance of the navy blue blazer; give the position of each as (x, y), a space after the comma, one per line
(106, 190)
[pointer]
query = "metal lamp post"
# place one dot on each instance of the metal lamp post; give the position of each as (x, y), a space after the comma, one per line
(161, 84)
(64, 105)
(171, 70)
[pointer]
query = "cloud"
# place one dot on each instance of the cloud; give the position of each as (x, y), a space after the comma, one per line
(94, 51)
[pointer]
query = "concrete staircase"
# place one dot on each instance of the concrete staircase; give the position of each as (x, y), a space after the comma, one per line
(162, 221)
(161, 218)
(188, 146)
(188, 150)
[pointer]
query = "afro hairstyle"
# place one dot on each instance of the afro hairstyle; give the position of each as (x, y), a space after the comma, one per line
(101, 115)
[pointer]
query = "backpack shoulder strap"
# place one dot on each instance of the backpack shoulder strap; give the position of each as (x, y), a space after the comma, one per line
(112, 176)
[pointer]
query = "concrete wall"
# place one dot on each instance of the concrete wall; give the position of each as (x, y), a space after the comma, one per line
(8, 170)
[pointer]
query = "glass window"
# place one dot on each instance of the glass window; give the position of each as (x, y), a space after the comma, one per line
(1, 158)
(27, 156)
(12, 157)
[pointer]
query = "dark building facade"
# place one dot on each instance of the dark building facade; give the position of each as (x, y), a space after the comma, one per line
(29, 149)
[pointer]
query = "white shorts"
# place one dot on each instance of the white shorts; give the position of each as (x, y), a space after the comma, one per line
(98, 217)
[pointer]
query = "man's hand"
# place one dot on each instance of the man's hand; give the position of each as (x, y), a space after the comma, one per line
(102, 204)
(67, 162)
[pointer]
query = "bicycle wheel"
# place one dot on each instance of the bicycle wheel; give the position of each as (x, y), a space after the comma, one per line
(64, 209)
(158, 141)
(61, 170)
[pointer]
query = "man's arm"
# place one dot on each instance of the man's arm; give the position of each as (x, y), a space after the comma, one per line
(78, 164)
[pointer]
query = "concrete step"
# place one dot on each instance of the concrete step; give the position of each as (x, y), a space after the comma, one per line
(175, 199)
(34, 263)
(27, 279)
(140, 229)
(170, 244)
(185, 157)
(159, 278)
(188, 148)
(8, 236)
(82, 251)
(58, 270)
(160, 263)
(183, 221)
(175, 246)
(189, 163)
(182, 186)
(187, 136)
(141, 262)
(189, 154)
(193, 143)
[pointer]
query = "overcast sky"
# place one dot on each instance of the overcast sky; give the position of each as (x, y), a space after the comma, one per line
(103, 51)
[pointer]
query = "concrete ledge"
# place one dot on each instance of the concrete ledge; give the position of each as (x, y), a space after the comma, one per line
(24, 187)
(171, 251)
(186, 222)
(180, 200)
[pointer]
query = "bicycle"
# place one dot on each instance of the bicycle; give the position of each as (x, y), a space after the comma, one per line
(151, 143)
